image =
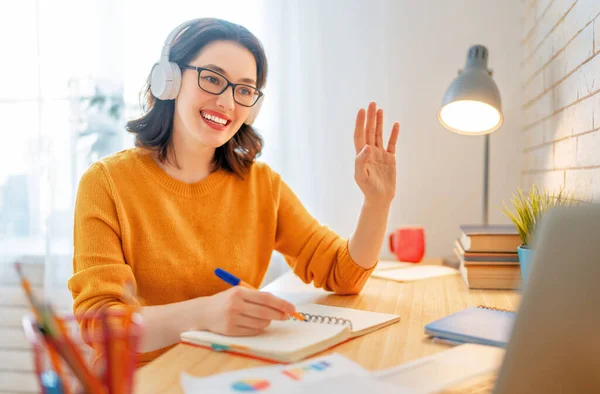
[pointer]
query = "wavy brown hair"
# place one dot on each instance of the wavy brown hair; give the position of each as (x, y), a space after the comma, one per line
(154, 129)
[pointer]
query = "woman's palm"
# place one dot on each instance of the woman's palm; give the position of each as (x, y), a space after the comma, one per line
(374, 166)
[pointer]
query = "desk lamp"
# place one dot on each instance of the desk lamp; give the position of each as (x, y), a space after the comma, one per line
(472, 106)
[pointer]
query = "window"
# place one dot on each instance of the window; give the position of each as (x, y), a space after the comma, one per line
(63, 53)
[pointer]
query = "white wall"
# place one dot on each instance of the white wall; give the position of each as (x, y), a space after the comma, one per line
(402, 54)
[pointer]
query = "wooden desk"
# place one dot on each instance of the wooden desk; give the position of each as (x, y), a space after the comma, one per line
(418, 303)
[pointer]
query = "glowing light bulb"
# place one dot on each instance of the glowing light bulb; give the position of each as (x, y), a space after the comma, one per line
(471, 117)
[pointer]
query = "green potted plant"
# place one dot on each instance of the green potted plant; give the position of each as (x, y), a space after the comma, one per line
(529, 209)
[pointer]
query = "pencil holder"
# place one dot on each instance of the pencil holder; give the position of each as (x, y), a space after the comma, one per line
(111, 373)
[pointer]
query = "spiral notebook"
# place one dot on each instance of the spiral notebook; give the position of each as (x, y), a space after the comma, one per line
(293, 340)
(478, 324)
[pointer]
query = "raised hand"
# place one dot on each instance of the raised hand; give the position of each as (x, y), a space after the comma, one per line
(375, 165)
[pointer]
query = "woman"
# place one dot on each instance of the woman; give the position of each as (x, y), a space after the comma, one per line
(191, 198)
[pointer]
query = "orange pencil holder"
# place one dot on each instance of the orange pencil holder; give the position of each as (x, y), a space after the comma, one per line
(117, 342)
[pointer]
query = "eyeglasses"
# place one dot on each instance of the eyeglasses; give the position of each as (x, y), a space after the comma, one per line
(214, 83)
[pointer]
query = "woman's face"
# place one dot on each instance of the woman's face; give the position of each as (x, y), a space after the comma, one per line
(193, 106)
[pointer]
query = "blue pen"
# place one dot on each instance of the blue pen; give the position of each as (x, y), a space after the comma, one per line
(232, 279)
(235, 281)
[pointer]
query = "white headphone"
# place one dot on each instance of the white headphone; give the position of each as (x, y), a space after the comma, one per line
(165, 79)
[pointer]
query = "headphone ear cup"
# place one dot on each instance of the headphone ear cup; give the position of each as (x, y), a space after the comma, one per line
(165, 80)
(175, 83)
(254, 110)
(158, 81)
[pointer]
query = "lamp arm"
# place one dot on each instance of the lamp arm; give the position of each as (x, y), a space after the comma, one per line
(486, 174)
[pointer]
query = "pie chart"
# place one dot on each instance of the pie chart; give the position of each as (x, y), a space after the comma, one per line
(250, 385)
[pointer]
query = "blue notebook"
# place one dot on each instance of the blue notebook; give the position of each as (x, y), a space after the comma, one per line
(478, 324)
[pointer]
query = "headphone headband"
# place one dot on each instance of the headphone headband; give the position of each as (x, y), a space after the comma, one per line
(166, 49)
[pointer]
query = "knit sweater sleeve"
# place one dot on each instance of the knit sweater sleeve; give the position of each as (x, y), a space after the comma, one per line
(314, 252)
(100, 272)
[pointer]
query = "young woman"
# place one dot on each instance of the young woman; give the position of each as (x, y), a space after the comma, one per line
(191, 198)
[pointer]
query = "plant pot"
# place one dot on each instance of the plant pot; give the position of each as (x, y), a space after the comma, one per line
(526, 261)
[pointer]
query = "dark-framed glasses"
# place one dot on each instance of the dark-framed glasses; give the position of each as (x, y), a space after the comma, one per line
(214, 83)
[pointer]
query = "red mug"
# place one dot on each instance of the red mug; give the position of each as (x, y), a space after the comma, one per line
(408, 244)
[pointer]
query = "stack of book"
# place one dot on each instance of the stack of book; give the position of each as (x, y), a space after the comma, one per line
(488, 256)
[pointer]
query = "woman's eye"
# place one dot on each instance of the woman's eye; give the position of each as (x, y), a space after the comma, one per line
(245, 91)
(211, 80)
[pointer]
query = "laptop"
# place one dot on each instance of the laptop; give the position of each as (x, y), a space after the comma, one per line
(555, 343)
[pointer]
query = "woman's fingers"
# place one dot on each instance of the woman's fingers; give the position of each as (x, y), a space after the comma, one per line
(379, 129)
(359, 131)
(391, 148)
(255, 317)
(263, 312)
(371, 124)
(268, 300)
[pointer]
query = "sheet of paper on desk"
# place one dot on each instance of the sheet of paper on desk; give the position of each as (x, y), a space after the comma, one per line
(414, 273)
(433, 373)
(351, 384)
(391, 264)
(286, 378)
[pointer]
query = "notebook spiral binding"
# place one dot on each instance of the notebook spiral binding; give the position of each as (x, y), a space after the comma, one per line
(494, 309)
(325, 319)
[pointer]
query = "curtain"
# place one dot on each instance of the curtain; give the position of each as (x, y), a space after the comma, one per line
(328, 60)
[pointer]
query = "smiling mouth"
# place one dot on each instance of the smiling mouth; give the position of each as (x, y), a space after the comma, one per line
(214, 119)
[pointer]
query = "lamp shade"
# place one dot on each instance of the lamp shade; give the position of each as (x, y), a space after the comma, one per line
(472, 103)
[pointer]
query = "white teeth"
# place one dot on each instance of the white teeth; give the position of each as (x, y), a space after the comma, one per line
(214, 118)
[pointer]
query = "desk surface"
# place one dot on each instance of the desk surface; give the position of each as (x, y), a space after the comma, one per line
(418, 303)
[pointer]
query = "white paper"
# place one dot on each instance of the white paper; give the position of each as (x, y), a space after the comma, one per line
(391, 264)
(274, 379)
(441, 370)
(351, 384)
(415, 273)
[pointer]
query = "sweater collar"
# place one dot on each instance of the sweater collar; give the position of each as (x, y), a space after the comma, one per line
(200, 188)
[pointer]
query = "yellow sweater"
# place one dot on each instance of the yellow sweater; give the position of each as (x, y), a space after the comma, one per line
(133, 222)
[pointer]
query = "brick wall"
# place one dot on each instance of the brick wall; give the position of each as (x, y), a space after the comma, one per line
(561, 95)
